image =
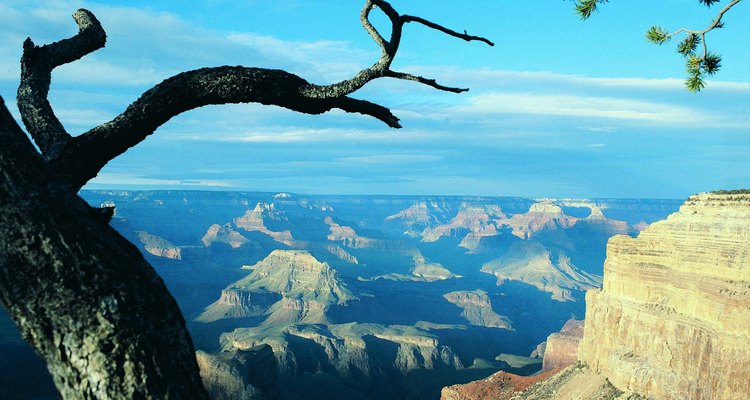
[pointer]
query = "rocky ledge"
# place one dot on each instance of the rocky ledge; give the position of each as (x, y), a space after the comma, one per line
(672, 320)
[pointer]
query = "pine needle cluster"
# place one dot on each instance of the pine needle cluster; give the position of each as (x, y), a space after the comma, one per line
(698, 63)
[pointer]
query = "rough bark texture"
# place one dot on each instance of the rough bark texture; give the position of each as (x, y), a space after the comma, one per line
(82, 295)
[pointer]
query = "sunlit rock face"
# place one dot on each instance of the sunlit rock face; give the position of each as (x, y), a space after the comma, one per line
(239, 374)
(158, 246)
(477, 308)
(672, 320)
(288, 285)
(223, 234)
(499, 386)
(561, 348)
(548, 270)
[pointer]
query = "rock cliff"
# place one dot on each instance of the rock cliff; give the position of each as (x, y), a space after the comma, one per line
(477, 308)
(548, 270)
(540, 216)
(159, 246)
(224, 234)
(673, 317)
(254, 221)
(239, 374)
(561, 348)
(287, 285)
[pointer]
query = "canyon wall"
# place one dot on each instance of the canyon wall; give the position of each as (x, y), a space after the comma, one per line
(561, 348)
(672, 320)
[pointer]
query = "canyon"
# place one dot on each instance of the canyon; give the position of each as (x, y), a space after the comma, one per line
(671, 320)
(364, 297)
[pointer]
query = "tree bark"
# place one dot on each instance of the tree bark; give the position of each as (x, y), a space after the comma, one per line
(82, 295)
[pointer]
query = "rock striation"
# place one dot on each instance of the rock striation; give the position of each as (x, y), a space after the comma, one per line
(473, 221)
(561, 348)
(477, 308)
(548, 270)
(239, 374)
(224, 234)
(158, 246)
(254, 221)
(541, 216)
(672, 320)
(288, 285)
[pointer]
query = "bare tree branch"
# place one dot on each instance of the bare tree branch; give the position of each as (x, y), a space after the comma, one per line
(79, 159)
(37, 64)
(389, 49)
(425, 81)
(87, 154)
(429, 24)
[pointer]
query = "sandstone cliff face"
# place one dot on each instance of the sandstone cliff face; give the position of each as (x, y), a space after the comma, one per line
(288, 285)
(673, 318)
(477, 309)
(239, 374)
(561, 348)
(254, 220)
(371, 356)
(159, 246)
(540, 216)
(224, 234)
(548, 270)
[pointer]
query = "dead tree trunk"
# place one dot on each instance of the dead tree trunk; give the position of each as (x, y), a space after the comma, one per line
(83, 296)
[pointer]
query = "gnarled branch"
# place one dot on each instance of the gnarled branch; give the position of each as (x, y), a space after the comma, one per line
(85, 155)
(389, 49)
(79, 159)
(37, 64)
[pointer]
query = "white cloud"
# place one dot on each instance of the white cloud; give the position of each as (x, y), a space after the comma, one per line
(301, 135)
(392, 159)
(124, 179)
(584, 107)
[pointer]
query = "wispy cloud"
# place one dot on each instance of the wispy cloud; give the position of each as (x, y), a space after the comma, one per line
(493, 78)
(124, 179)
(302, 135)
(392, 159)
(580, 106)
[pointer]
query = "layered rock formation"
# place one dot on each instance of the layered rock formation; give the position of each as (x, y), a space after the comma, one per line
(561, 348)
(159, 246)
(374, 357)
(348, 236)
(477, 220)
(576, 382)
(239, 374)
(342, 254)
(253, 220)
(672, 320)
(540, 216)
(224, 234)
(288, 285)
(548, 270)
(418, 217)
(477, 308)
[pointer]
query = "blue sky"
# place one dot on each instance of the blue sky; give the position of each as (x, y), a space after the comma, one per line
(559, 107)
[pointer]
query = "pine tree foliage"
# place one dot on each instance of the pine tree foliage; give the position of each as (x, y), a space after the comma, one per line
(699, 61)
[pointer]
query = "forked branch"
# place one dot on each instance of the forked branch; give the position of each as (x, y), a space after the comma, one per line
(79, 159)
(37, 64)
(389, 48)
